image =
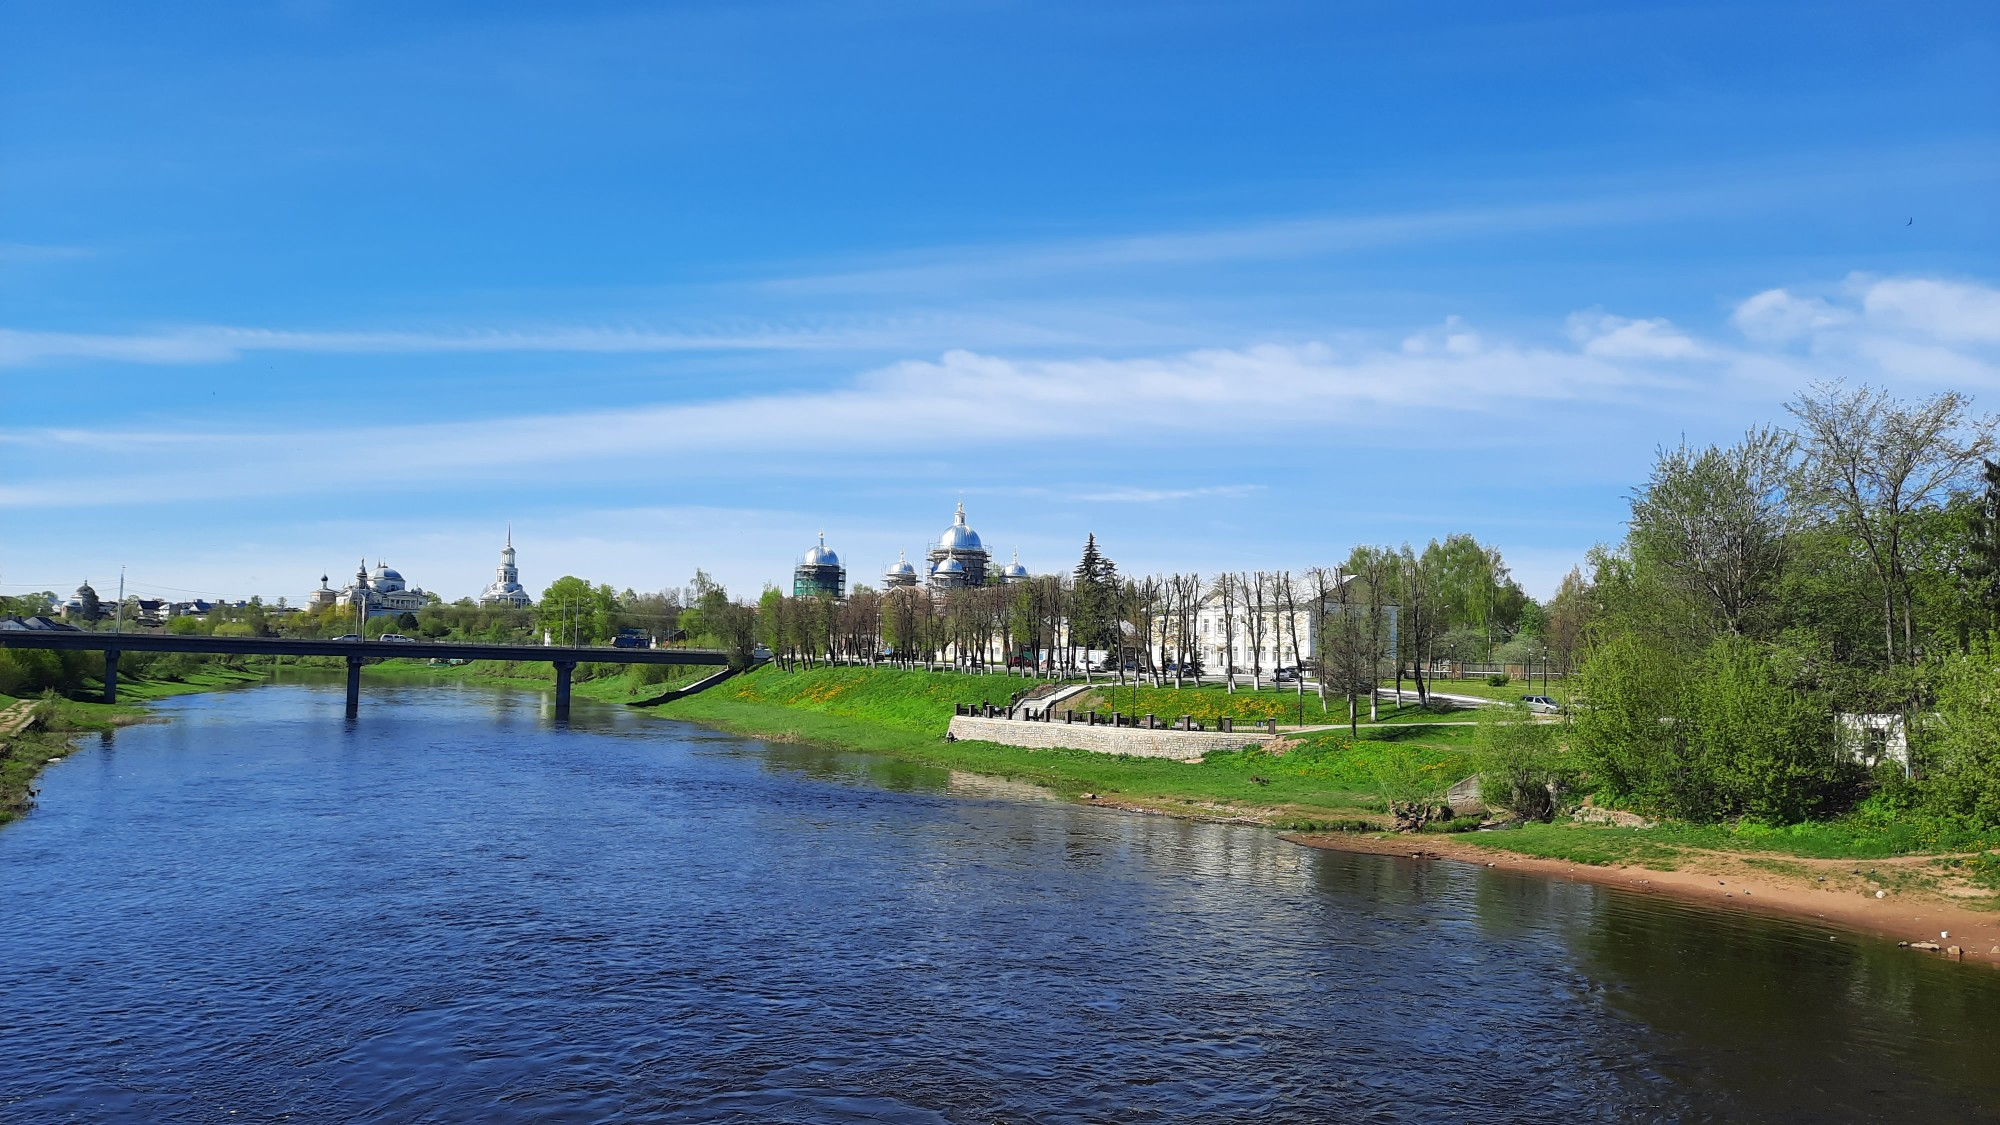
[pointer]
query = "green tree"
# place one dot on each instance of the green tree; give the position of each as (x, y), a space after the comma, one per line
(1983, 545)
(1872, 463)
(572, 611)
(1957, 748)
(1095, 599)
(1715, 522)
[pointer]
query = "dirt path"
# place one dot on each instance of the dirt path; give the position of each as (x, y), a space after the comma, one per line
(16, 718)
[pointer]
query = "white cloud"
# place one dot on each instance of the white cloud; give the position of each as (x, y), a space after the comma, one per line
(1454, 338)
(1778, 316)
(1892, 329)
(994, 405)
(1945, 310)
(1616, 337)
(215, 344)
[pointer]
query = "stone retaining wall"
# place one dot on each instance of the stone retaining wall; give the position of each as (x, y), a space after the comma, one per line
(1137, 742)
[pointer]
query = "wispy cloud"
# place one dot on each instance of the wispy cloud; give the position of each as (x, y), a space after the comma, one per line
(1311, 236)
(31, 252)
(994, 405)
(213, 344)
(1130, 495)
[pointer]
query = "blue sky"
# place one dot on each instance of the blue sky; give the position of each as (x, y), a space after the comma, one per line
(1230, 285)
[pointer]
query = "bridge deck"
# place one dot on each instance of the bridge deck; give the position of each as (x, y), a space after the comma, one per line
(286, 646)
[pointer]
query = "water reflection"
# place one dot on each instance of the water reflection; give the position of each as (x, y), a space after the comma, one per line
(456, 910)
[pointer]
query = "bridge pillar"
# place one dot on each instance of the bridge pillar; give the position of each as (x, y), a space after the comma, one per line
(563, 670)
(111, 675)
(353, 686)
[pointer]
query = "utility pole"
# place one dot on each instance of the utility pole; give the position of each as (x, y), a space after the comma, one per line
(118, 616)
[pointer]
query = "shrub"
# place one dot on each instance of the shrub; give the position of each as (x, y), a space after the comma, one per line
(1498, 679)
(1958, 748)
(1722, 734)
(1522, 771)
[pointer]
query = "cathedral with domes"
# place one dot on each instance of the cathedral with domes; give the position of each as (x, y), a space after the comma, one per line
(958, 561)
(383, 592)
(819, 574)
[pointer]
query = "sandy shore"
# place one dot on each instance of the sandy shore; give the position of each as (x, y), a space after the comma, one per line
(1837, 892)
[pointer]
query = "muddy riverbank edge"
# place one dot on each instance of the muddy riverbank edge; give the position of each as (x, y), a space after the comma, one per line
(1730, 881)
(1838, 893)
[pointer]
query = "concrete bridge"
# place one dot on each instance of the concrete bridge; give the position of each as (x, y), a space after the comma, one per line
(564, 657)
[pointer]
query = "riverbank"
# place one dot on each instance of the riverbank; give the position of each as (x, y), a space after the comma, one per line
(1841, 893)
(36, 732)
(605, 683)
(1324, 777)
(1826, 873)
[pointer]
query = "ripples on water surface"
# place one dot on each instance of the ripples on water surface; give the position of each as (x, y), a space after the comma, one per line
(453, 911)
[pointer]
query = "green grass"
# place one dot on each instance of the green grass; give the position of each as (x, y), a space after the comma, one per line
(210, 678)
(22, 757)
(1849, 838)
(919, 702)
(603, 682)
(1594, 845)
(1210, 702)
(904, 714)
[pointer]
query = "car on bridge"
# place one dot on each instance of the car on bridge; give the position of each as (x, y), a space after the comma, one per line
(399, 638)
(348, 637)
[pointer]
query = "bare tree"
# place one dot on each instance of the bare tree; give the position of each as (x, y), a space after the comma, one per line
(1287, 596)
(1345, 655)
(1423, 613)
(1223, 590)
(1871, 462)
(1256, 622)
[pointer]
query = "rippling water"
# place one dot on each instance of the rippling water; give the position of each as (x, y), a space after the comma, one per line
(455, 910)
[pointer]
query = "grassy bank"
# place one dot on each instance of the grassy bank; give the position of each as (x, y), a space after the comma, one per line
(1321, 778)
(605, 683)
(35, 732)
(1211, 702)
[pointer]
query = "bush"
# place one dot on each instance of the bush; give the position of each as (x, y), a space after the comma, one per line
(1522, 771)
(1498, 679)
(1958, 748)
(1722, 734)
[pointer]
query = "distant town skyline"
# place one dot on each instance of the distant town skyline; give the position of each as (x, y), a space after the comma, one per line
(1230, 286)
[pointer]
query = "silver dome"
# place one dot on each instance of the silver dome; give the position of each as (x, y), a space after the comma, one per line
(902, 567)
(822, 555)
(958, 536)
(949, 566)
(1015, 570)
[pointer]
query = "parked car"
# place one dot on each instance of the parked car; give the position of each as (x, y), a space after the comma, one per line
(348, 637)
(399, 638)
(1285, 676)
(1542, 704)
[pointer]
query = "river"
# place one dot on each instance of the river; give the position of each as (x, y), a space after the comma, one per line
(454, 910)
